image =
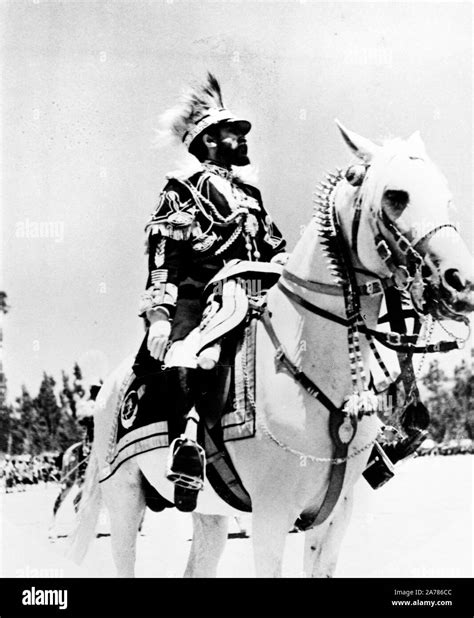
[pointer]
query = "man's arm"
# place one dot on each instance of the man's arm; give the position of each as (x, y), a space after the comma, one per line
(169, 233)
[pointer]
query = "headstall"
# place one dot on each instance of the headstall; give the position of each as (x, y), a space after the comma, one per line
(404, 275)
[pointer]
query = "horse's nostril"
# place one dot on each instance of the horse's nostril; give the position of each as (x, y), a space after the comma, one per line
(426, 271)
(454, 279)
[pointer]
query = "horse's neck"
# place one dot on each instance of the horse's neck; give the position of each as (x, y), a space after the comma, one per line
(316, 344)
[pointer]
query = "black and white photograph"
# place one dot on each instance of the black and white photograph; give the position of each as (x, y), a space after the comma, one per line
(237, 285)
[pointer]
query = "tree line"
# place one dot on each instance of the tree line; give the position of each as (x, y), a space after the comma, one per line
(450, 401)
(47, 422)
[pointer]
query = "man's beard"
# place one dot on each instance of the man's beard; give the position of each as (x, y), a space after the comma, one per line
(233, 156)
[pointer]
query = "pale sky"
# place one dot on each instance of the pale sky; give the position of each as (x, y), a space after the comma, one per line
(83, 84)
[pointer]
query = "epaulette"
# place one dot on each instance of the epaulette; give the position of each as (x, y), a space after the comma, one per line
(174, 215)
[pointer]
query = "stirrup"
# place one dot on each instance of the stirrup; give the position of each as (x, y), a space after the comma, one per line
(380, 469)
(185, 481)
(182, 479)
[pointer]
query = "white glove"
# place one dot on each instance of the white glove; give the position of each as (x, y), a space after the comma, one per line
(158, 335)
(280, 258)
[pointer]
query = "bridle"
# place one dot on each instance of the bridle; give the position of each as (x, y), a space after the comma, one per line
(404, 275)
(343, 420)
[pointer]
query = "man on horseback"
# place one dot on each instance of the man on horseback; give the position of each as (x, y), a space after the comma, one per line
(201, 222)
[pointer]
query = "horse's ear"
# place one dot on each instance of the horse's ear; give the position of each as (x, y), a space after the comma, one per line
(416, 144)
(360, 146)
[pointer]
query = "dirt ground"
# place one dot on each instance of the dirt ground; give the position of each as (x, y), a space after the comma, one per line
(418, 525)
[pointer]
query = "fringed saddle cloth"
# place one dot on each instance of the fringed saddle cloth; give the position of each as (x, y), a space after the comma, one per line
(226, 403)
(226, 407)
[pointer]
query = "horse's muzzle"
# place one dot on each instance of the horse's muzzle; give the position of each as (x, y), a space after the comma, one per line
(463, 302)
(456, 305)
(458, 291)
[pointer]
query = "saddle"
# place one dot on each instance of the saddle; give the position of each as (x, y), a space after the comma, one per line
(228, 295)
(223, 401)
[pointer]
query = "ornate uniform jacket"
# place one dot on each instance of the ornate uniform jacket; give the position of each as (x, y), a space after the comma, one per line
(201, 222)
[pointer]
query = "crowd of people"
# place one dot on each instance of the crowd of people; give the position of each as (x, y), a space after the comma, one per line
(21, 471)
(18, 472)
(463, 446)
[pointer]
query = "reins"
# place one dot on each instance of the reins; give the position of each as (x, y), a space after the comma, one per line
(343, 420)
(396, 341)
(340, 264)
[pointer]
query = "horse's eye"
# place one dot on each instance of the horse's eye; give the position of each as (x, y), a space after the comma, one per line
(396, 199)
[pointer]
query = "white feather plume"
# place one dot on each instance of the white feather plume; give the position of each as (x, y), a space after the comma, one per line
(195, 103)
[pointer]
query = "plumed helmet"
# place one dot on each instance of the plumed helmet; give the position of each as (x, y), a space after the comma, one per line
(200, 108)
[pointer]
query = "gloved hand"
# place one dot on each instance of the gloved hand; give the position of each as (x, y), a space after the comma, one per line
(280, 258)
(158, 335)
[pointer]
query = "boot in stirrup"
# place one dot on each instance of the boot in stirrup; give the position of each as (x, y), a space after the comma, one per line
(186, 471)
(186, 465)
(186, 460)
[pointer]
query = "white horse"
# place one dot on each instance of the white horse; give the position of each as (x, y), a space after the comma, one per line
(286, 466)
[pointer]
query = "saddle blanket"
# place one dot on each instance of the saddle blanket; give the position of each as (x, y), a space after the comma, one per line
(227, 410)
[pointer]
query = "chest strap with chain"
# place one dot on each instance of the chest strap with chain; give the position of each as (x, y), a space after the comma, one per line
(311, 517)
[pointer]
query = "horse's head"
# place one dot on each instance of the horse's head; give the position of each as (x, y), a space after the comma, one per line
(395, 216)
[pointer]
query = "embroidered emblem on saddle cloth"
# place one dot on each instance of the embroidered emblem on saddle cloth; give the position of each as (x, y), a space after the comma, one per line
(141, 423)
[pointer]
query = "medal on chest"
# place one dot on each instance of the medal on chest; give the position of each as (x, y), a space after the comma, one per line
(251, 225)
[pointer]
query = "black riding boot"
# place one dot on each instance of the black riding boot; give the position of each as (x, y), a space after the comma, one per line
(182, 389)
(186, 459)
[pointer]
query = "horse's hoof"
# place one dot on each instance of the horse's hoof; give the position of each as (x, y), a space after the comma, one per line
(185, 499)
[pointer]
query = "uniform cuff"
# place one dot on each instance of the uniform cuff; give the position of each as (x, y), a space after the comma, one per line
(156, 296)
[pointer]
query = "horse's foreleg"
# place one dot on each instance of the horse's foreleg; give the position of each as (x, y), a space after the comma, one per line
(270, 525)
(209, 538)
(140, 525)
(125, 501)
(323, 542)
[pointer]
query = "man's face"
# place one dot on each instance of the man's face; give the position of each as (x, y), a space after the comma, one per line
(232, 145)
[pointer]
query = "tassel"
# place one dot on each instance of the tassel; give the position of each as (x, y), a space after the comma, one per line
(351, 405)
(361, 404)
(415, 416)
(369, 403)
